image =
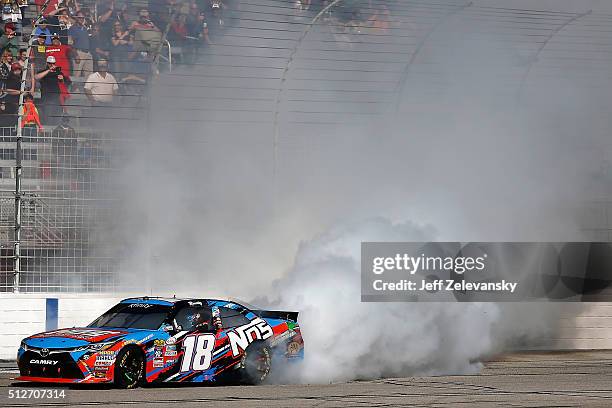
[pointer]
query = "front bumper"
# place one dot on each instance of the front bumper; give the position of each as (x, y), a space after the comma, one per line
(61, 367)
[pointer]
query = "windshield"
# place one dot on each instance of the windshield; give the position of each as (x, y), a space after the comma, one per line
(134, 316)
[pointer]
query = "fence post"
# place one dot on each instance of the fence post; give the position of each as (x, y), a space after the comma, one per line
(18, 154)
(17, 247)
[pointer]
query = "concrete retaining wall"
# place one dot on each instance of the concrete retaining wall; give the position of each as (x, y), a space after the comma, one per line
(23, 315)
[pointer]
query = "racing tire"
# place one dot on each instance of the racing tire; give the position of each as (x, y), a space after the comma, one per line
(129, 368)
(256, 364)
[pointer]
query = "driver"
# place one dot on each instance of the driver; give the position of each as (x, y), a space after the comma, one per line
(200, 319)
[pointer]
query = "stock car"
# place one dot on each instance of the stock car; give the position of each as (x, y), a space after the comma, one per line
(159, 340)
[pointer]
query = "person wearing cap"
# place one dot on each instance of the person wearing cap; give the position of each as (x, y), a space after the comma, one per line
(13, 84)
(52, 82)
(79, 35)
(10, 40)
(43, 29)
(62, 53)
(38, 55)
(146, 34)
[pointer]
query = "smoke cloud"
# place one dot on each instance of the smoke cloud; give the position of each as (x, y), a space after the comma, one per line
(208, 213)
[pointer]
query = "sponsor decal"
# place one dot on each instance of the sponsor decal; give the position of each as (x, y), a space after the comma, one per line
(159, 343)
(146, 339)
(100, 374)
(43, 361)
(173, 339)
(105, 358)
(80, 334)
(293, 348)
(241, 337)
(158, 353)
(157, 363)
(139, 306)
(170, 353)
(282, 337)
(195, 303)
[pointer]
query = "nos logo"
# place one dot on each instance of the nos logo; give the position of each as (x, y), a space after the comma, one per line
(199, 348)
(242, 336)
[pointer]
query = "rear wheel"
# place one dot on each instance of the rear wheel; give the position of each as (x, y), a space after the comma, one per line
(256, 364)
(129, 368)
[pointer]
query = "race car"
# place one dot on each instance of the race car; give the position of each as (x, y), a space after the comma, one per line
(159, 340)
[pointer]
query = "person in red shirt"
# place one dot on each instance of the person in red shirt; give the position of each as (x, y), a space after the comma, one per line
(52, 6)
(62, 53)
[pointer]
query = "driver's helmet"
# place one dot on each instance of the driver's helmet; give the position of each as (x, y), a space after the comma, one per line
(198, 319)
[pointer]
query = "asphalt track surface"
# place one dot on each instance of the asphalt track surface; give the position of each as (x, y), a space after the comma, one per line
(568, 379)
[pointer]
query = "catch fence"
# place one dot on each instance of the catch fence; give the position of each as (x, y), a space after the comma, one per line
(55, 224)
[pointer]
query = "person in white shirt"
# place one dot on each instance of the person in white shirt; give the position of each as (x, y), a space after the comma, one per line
(101, 86)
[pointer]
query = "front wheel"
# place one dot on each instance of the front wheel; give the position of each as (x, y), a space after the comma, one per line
(129, 368)
(256, 364)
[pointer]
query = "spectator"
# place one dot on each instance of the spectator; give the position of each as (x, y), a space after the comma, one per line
(8, 114)
(62, 54)
(197, 26)
(53, 5)
(72, 6)
(13, 85)
(51, 81)
(100, 44)
(31, 119)
(61, 22)
(12, 14)
(22, 55)
(38, 55)
(5, 69)
(21, 59)
(121, 45)
(147, 36)
(101, 86)
(10, 41)
(43, 28)
(380, 19)
(106, 17)
(83, 62)
(178, 30)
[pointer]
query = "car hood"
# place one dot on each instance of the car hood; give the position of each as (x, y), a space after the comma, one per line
(82, 336)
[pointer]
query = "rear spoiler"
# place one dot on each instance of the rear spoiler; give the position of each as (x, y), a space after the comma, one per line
(277, 314)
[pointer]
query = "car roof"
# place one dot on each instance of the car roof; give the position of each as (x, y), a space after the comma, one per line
(169, 301)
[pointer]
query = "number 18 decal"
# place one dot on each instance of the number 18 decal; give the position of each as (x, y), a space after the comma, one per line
(198, 352)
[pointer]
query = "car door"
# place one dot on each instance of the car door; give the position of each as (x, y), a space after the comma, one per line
(198, 343)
